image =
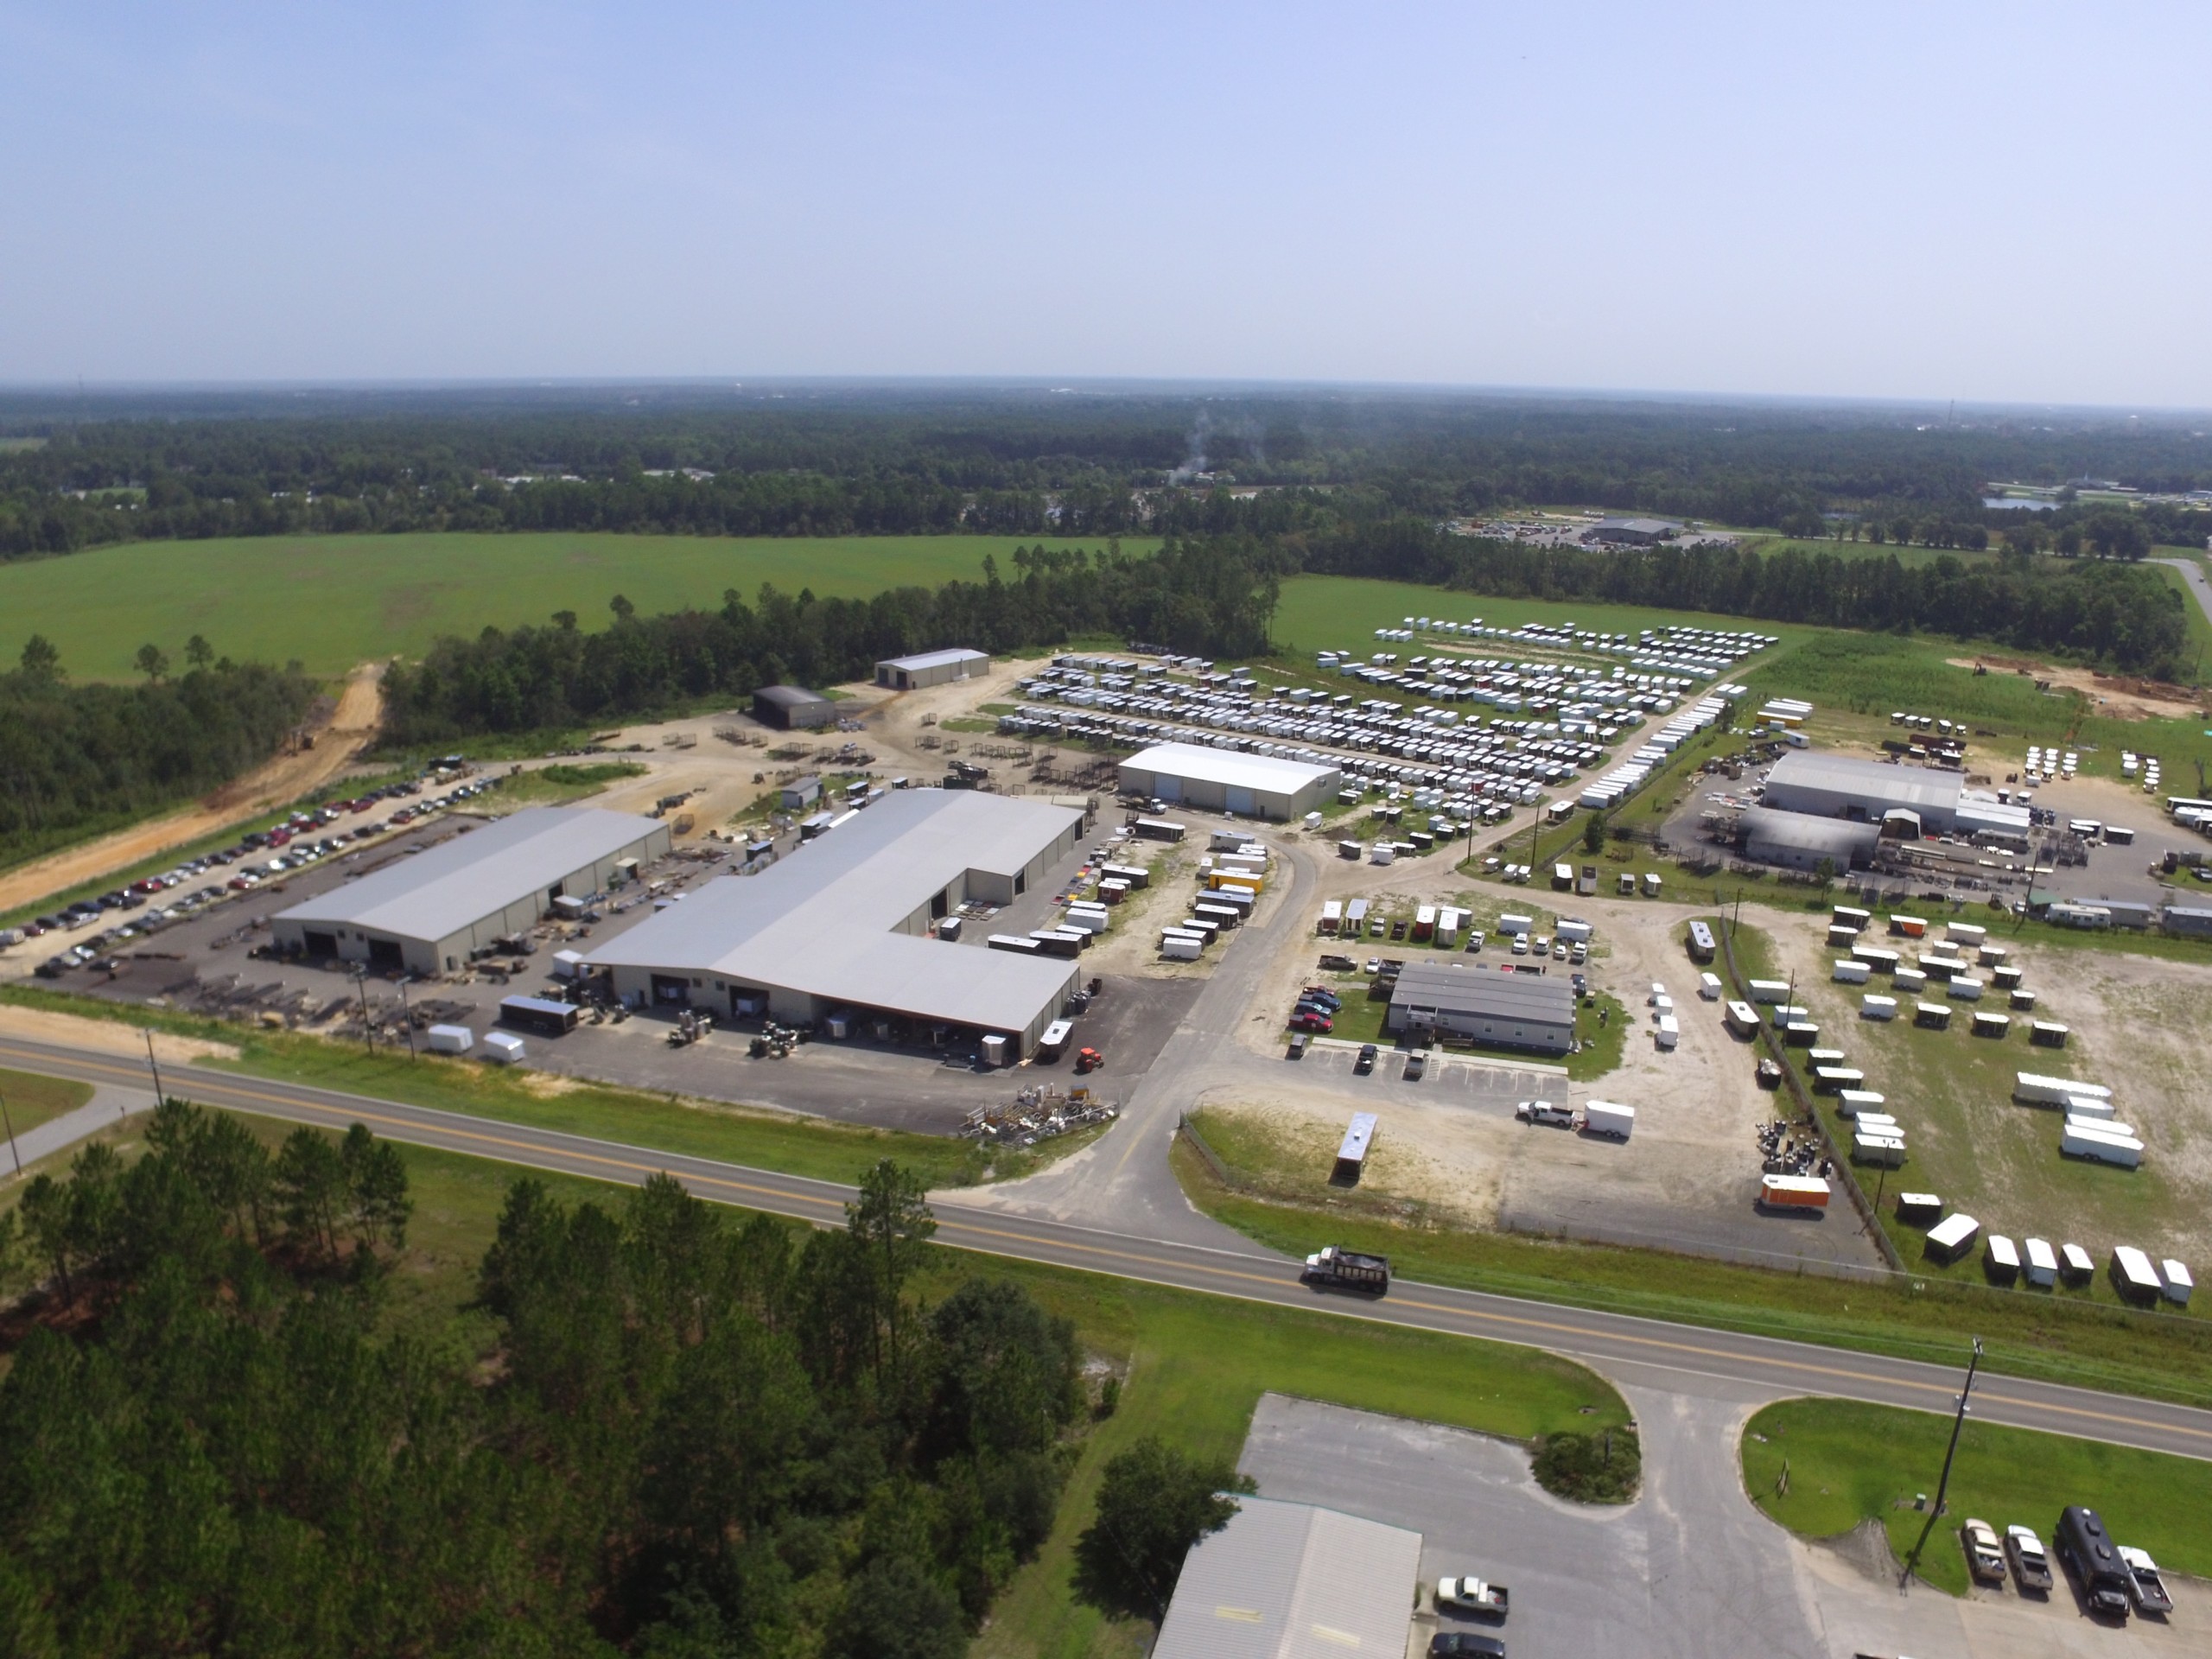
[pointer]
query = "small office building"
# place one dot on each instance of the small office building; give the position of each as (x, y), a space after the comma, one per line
(792, 708)
(1229, 780)
(1293, 1581)
(1490, 1005)
(931, 668)
(427, 911)
(845, 924)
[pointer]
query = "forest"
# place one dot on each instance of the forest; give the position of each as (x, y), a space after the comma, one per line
(75, 758)
(814, 460)
(690, 1433)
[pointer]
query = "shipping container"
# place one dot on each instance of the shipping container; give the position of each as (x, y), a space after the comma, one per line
(1793, 1192)
(1951, 1238)
(1872, 1006)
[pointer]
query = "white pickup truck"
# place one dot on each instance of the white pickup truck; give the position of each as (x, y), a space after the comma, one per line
(1470, 1596)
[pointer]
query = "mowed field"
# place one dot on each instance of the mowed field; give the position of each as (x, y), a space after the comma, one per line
(333, 602)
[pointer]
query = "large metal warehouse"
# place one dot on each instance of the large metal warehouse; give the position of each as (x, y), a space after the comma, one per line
(793, 707)
(1917, 798)
(931, 668)
(1228, 781)
(428, 912)
(1293, 1581)
(1796, 842)
(1489, 1006)
(843, 923)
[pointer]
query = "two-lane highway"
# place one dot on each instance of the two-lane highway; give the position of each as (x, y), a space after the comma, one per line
(1652, 1349)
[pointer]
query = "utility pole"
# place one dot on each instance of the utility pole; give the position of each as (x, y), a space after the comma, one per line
(1943, 1486)
(407, 1021)
(12, 1147)
(368, 1031)
(154, 1066)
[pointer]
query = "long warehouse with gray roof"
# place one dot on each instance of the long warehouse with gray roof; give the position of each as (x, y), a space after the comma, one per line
(1293, 1581)
(426, 911)
(1491, 1006)
(845, 922)
(1229, 780)
(1920, 799)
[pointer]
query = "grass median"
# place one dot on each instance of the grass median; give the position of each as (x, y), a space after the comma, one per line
(32, 1100)
(1850, 1464)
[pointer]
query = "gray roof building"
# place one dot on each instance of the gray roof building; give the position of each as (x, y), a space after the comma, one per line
(1797, 841)
(1492, 1005)
(1292, 1581)
(844, 921)
(793, 707)
(427, 911)
(931, 668)
(1634, 531)
(1837, 786)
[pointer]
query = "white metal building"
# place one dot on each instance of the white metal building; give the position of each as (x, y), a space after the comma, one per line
(931, 668)
(1293, 1582)
(1487, 1006)
(428, 911)
(1872, 791)
(843, 923)
(1228, 781)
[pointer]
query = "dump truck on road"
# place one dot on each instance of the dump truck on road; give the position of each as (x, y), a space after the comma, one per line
(1337, 1269)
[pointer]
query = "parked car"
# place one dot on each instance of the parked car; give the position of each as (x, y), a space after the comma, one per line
(1298, 1041)
(1984, 1559)
(1321, 994)
(2144, 1582)
(1416, 1064)
(1365, 1063)
(1314, 1020)
(2030, 1566)
(1465, 1645)
(1472, 1596)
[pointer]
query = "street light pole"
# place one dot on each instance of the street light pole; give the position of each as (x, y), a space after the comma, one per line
(154, 1066)
(12, 1147)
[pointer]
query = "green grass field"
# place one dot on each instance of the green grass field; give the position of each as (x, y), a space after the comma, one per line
(33, 1100)
(1850, 1464)
(333, 602)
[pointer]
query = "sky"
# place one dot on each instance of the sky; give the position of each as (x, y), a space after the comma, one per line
(1982, 202)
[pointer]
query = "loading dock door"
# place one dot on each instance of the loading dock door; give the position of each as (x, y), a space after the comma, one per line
(386, 953)
(318, 944)
(1166, 788)
(1241, 801)
(671, 989)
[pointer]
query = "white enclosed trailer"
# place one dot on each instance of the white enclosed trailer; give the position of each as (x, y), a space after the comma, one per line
(2042, 1262)
(450, 1039)
(1872, 1006)
(1948, 1239)
(1610, 1118)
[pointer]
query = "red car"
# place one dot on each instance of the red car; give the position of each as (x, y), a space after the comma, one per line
(1312, 1021)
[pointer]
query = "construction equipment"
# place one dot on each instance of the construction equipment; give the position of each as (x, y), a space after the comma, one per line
(1087, 1059)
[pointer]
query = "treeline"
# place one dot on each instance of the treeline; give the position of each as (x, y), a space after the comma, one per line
(74, 759)
(814, 461)
(2117, 613)
(689, 1435)
(1213, 597)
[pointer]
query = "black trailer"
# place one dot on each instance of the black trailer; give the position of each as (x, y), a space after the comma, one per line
(538, 1014)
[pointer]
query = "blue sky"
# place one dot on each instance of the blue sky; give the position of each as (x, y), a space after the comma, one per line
(1959, 201)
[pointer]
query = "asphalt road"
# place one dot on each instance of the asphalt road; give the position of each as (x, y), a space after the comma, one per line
(1646, 1352)
(2193, 577)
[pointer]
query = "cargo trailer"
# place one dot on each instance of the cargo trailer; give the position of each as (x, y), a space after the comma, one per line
(2133, 1276)
(2078, 1140)
(1386, 851)
(1573, 931)
(1424, 924)
(1741, 1017)
(1918, 1209)
(1563, 878)
(1219, 914)
(1879, 1123)
(2042, 1091)
(1179, 947)
(1352, 1153)
(2007, 978)
(1826, 1057)
(1935, 1016)
(1965, 933)
(1332, 915)
(1849, 1102)
(1159, 829)
(1939, 966)
(1800, 1033)
(1834, 1079)
(1668, 1033)
(1964, 989)
(2075, 1266)
(1793, 1192)
(1851, 917)
(451, 1040)
(1909, 982)
(539, 1015)
(1951, 1238)
(1651, 884)
(1608, 1118)
(1769, 990)
(1992, 1025)
(2042, 1262)
(1886, 1150)
(2174, 1282)
(1136, 876)
(1351, 849)
(503, 1048)
(1018, 945)
(1910, 927)
(1841, 938)
(2001, 1261)
(1881, 960)
(2020, 1002)
(2090, 1107)
(1701, 943)
(1709, 987)
(997, 1050)
(1510, 923)
(1054, 1042)
(1878, 1007)
(1847, 972)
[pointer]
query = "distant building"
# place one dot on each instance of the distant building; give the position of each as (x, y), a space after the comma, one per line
(1490, 1005)
(1229, 780)
(1797, 841)
(931, 668)
(1913, 800)
(793, 707)
(799, 793)
(1293, 1581)
(1632, 533)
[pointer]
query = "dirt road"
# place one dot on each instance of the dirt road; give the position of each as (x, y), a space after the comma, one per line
(285, 778)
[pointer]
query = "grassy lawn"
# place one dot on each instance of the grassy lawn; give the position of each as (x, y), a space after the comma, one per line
(561, 783)
(1851, 1463)
(335, 601)
(2088, 1344)
(33, 1100)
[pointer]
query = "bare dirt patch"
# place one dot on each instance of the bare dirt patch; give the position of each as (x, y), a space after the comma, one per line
(107, 1037)
(338, 741)
(2117, 694)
